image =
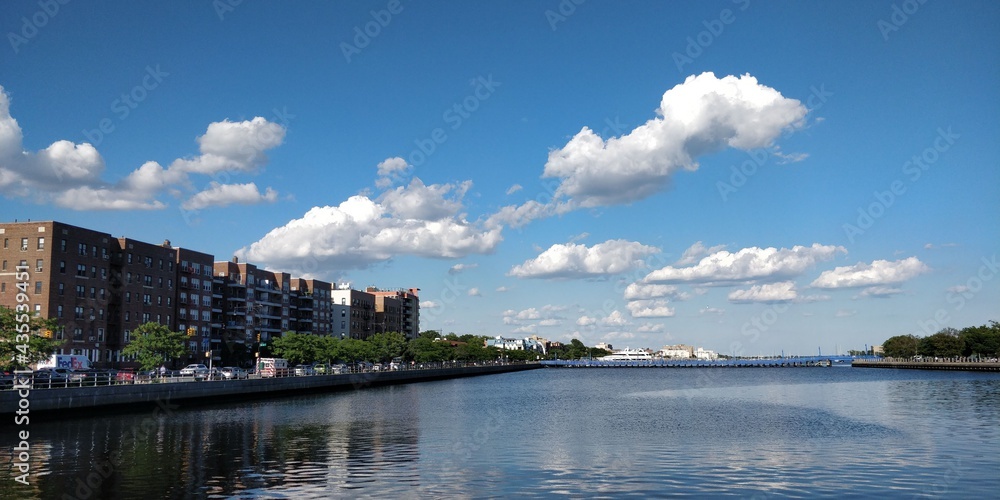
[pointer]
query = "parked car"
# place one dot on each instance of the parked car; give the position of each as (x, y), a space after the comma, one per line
(197, 371)
(321, 369)
(302, 370)
(338, 369)
(126, 376)
(90, 377)
(233, 373)
(49, 377)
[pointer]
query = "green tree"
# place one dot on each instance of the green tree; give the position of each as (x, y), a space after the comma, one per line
(943, 344)
(576, 349)
(386, 346)
(356, 350)
(19, 348)
(297, 348)
(901, 346)
(154, 344)
(425, 349)
(981, 340)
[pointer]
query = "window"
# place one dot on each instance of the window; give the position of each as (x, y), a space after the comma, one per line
(62, 266)
(81, 270)
(78, 334)
(24, 243)
(161, 264)
(343, 313)
(146, 299)
(39, 265)
(100, 335)
(159, 282)
(128, 317)
(128, 336)
(128, 277)
(62, 244)
(130, 257)
(128, 296)
(4, 268)
(102, 294)
(78, 312)
(60, 288)
(93, 251)
(159, 300)
(148, 281)
(5, 240)
(81, 248)
(41, 243)
(3, 287)
(100, 314)
(104, 274)
(93, 292)
(59, 311)
(81, 291)
(93, 272)
(169, 300)
(145, 317)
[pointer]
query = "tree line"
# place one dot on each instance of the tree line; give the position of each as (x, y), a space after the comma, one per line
(153, 345)
(970, 342)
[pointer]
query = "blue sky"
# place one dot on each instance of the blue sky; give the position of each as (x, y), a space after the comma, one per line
(539, 167)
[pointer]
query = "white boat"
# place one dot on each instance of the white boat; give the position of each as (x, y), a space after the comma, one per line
(628, 355)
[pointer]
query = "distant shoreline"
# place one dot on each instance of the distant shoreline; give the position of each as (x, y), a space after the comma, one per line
(929, 365)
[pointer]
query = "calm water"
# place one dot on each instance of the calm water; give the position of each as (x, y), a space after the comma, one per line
(759, 433)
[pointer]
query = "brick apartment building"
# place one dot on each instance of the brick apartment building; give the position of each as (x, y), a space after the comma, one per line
(100, 288)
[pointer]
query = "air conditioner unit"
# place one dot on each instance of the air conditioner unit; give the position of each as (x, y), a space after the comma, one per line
(91, 339)
(24, 249)
(105, 256)
(38, 269)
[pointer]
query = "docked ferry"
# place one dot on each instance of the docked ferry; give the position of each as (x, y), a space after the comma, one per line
(628, 355)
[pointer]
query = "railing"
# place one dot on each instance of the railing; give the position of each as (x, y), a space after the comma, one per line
(128, 378)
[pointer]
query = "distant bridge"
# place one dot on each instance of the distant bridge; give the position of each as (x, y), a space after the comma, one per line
(789, 361)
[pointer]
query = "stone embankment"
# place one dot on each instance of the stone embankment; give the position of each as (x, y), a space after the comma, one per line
(958, 365)
(64, 402)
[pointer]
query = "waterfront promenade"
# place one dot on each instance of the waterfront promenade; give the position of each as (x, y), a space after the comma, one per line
(957, 365)
(139, 396)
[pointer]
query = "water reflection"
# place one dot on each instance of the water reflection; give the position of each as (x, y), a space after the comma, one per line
(640, 433)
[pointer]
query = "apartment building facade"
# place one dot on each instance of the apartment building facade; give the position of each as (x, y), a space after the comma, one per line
(100, 288)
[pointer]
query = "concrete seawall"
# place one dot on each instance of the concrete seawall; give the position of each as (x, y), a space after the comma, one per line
(929, 365)
(144, 396)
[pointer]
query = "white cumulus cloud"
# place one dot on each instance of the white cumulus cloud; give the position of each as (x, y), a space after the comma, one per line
(360, 232)
(702, 115)
(69, 175)
(650, 309)
(748, 264)
(879, 272)
(783, 291)
(220, 195)
(573, 260)
(640, 291)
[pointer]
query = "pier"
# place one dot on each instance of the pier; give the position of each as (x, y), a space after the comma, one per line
(777, 362)
(974, 366)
